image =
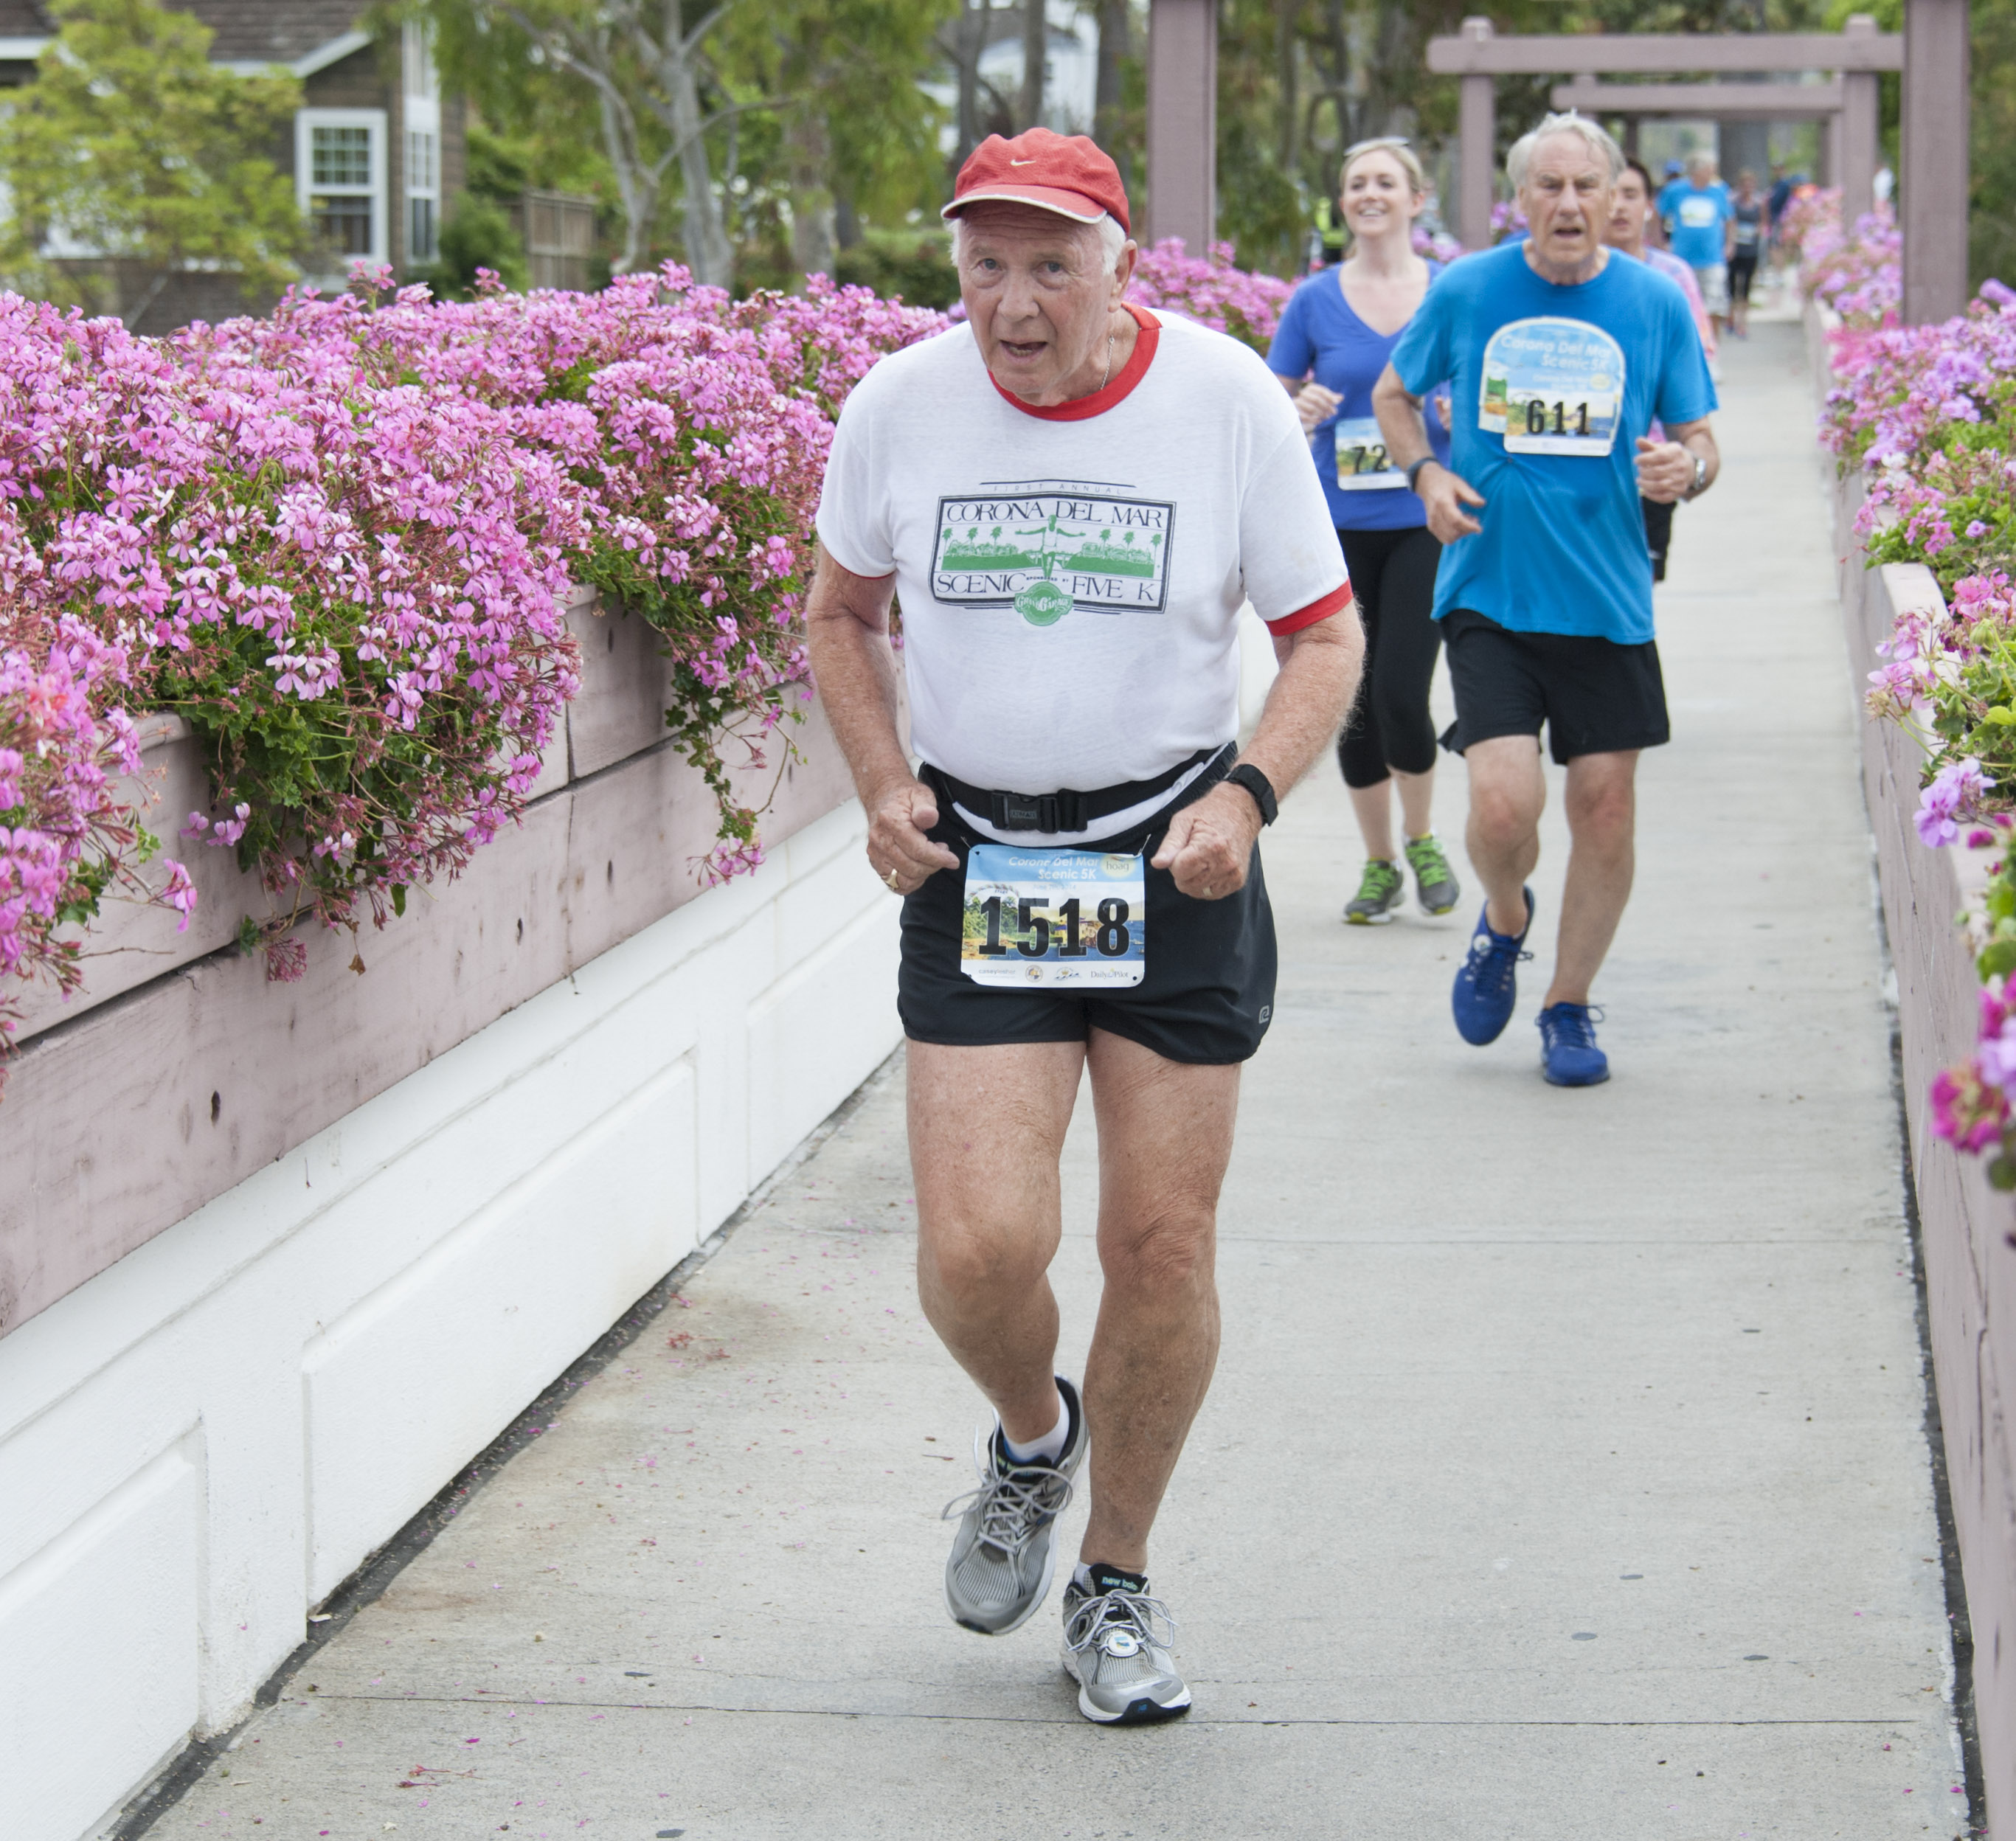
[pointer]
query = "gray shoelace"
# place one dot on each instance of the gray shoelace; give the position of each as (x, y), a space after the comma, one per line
(1132, 1611)
(1014, 1503)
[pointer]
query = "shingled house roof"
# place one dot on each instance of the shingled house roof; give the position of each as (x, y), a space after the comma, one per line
(248, 31)
(273, 31)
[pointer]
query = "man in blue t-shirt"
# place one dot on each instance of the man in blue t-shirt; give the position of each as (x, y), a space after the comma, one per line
(1700, 215)
(1560, 355)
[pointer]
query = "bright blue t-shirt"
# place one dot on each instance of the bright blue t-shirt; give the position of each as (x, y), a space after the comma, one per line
(1698, 215)
(1553, 386)
(1319, 333)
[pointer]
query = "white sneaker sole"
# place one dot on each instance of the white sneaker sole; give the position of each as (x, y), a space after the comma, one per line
(1144, 1712)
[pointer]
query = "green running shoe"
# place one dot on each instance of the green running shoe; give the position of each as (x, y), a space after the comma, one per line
(1434, 881)
(1378, 894)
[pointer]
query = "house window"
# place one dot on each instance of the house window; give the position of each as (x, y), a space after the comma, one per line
(423, 195)
(421, 102)
(340, 178)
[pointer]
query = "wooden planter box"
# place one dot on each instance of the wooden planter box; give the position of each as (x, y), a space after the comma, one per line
(1966, 1225)
(178, 1069)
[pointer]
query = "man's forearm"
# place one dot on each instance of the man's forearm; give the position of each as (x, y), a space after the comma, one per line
(855, 671)
(1401, 425)
(1318, 678)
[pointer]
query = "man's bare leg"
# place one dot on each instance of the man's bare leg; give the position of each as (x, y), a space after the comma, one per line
(1164, 1137)
(987, 1125)
(1507, 794)
(986, 1128)
(1602, 810)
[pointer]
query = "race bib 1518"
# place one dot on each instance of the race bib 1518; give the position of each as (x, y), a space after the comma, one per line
(1552, 386)
(1053, 917)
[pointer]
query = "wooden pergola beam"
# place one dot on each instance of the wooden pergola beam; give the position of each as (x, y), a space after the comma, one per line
(1931, 53)
(1594, 54)
(1719, 101)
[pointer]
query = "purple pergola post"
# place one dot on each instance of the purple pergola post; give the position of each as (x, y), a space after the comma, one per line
(1855, 171)
(1933, 161)
(1182, 122)
(1476, 145)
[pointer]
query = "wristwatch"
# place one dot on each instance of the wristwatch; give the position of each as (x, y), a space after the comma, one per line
(1262, 788)
(1414, 472)
(1701, 478)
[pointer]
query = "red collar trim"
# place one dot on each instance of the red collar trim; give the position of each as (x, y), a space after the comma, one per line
(1081, 408)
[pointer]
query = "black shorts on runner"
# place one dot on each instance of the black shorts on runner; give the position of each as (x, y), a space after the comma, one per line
(1742, 272)
(1595, 696)
(1658, 533)
(1206, 995)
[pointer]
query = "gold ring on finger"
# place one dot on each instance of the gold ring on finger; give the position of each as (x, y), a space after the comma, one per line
(891, 879)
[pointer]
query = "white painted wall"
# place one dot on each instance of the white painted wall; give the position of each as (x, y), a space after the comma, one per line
(199, 1445)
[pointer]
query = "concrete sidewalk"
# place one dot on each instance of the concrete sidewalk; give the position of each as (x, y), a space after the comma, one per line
(1564, 1478)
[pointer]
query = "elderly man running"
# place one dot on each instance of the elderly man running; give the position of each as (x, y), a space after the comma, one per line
(1074, 496)
(1562, 354)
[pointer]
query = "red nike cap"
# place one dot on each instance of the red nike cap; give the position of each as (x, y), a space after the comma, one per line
(1067, 174)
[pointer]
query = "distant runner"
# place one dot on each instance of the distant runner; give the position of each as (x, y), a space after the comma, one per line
(1561, 353)
(1341, 325)
(1746, 244)
(1698, 213)
(1074, 497)
(1630, 214)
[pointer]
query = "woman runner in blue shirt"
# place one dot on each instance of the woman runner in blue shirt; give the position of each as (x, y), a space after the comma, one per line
(1341, 325)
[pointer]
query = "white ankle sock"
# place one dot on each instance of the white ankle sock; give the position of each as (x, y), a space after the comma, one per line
(1048, 1448)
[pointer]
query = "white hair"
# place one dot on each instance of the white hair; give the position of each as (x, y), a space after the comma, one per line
(1112, 238)
(1567, 122)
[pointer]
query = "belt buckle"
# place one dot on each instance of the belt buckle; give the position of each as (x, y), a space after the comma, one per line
(1021, 812)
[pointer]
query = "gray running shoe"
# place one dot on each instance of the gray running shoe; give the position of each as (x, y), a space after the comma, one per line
(1004, 1551)
(1434, 881)
(1117, 1642)
(1378, 892)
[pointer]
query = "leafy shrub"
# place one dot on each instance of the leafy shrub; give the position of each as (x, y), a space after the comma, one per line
(1211, 290)
(339, 540)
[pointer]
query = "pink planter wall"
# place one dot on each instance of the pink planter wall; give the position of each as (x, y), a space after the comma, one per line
(1966, 1225)
(179, 1070)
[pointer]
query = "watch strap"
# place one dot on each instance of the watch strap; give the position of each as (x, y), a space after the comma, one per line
(1258, 786)
(1414, 472)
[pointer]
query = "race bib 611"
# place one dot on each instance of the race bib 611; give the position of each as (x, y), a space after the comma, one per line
(1552, 386)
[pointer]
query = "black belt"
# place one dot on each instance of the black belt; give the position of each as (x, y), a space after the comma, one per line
(1065, 810)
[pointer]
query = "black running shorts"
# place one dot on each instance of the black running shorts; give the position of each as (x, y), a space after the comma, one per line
(1595, 696)
(1206, 996)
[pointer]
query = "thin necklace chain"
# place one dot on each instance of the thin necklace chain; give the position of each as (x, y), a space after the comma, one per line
(1112, 335)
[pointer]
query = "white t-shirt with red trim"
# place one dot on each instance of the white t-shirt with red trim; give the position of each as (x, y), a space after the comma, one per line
(1071, 578)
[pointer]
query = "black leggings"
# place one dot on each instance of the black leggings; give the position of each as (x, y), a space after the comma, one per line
(1393, 578)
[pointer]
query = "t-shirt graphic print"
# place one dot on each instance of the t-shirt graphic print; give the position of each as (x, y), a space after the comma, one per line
(1070, 578)
(1044, 549)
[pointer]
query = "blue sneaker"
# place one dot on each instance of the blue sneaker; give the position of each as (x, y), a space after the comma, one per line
(1569, 1056)
(1487, 985)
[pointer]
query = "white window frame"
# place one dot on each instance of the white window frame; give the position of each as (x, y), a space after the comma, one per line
(306, 122)
(419, 104)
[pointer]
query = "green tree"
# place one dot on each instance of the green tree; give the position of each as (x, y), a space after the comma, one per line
(656, 98)
(132, 158)
(859, 137)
